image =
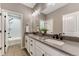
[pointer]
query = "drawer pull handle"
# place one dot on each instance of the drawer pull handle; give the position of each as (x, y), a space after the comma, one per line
(42, 54)
(0, 48)
(0, 31)
(26, 40)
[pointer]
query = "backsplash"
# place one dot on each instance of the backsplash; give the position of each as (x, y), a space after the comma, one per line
(71, 38)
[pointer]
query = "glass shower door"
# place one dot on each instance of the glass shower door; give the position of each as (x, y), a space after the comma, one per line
(10, 28)
(14, 29)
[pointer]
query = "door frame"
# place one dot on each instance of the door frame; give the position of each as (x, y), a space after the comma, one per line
(22, 33)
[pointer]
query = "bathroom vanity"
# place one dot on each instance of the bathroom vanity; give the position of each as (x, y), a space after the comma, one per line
(44, 46)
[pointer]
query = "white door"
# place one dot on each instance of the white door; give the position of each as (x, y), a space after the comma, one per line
(0, 34)
(2, 18)
(4, 21)
(7, 31)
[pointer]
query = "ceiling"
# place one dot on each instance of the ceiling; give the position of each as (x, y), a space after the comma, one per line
(52, 7)
(31, 5)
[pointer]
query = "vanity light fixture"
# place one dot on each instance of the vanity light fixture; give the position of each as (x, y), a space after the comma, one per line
(36, 12)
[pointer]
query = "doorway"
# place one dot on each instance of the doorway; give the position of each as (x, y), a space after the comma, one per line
(12, 29)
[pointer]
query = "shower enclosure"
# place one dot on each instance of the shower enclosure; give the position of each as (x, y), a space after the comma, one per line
(14, 27)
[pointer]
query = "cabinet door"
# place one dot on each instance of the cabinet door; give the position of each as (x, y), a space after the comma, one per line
(0, 52)
(32, 47)
(39, 51)
(50, 51)
(0, 41)
(69, 24)
(27, 43)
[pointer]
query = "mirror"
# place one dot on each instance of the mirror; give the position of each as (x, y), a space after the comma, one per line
(42, 24)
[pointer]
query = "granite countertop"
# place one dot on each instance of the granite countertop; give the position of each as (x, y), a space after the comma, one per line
(69, 47)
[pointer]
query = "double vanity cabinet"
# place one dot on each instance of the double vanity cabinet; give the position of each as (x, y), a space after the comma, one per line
(37, 48)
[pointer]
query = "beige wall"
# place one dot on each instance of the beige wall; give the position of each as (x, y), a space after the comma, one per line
(57, 15)
(0, 5)
(16, 7)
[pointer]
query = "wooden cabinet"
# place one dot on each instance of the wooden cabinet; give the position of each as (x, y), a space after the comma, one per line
(49, 51)
(32, 47)
(36, 48)
(39, 51)
(27, 43)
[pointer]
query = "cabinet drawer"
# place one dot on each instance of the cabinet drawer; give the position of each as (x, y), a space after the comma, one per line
(49, 50)
(39, 51)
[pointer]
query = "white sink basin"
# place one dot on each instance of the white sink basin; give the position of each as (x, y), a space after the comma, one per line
(60, 43)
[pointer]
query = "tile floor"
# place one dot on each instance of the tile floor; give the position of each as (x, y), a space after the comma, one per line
(16, 50)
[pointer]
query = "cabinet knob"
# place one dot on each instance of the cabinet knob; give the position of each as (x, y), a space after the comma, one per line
(31, 45)
(31, 52)
(31, 41)
(42, 54)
